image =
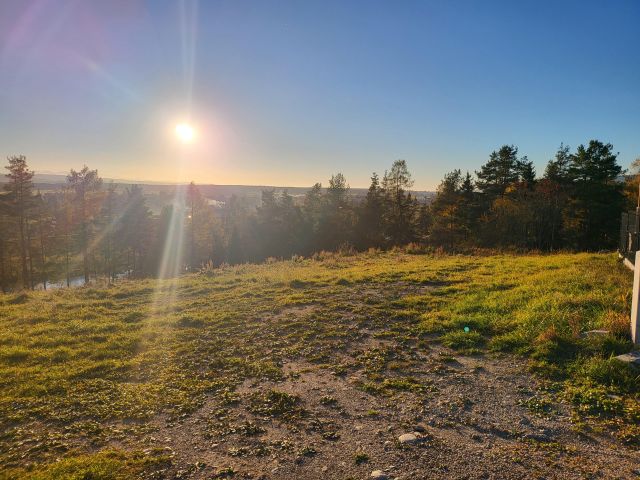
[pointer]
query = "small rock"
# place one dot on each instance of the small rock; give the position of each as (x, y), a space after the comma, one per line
(378, 475)
(419, 428)
(633, 358)
(408, 438)
(325, 468)
(537, 437)
(594, 333)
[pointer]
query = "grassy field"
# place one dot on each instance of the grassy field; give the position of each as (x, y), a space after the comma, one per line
(92, 379)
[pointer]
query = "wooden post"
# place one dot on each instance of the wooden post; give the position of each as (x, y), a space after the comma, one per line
(635, 311)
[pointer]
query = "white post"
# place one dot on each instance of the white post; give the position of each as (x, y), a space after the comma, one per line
(635, 311)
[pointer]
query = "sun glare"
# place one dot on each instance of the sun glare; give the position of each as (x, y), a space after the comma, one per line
(185, 132)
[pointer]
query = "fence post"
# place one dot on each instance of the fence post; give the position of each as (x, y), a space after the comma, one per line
(635, 312)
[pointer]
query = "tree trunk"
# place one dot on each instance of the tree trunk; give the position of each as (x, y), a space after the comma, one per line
(67, 259)
(23, 251)
(85, 252)
(31, 276)
(2, 270)
(42, 256)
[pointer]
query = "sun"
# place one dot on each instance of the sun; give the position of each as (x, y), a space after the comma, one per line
(185, 132)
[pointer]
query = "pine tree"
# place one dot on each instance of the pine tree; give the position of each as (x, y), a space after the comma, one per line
(597, 196)
(196, 206)
(469, 207)
(448, 229)
(135, 230)
(557, 170)
(84, 183)
(20, 202)
(499, 172)
(526, 173)
(554, 190)
(371, 214)
(400, 208)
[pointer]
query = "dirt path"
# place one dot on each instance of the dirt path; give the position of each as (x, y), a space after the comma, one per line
(474, 417)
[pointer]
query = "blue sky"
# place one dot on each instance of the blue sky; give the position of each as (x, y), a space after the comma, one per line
(289, 92)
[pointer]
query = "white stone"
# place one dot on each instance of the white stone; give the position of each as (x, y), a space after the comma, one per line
(407, 438)
(378, 475)
(633, 358)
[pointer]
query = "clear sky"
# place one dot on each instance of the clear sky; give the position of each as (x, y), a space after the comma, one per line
(288, 92)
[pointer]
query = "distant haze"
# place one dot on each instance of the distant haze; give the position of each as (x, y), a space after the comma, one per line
(53, 182)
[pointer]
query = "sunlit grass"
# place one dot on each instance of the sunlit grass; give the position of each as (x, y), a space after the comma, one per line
(80, 361)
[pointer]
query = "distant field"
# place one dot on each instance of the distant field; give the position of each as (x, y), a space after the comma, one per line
(314, 368)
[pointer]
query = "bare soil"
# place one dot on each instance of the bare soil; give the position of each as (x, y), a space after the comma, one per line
(473, 422)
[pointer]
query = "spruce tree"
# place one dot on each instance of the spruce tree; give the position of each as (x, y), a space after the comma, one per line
(20, 203)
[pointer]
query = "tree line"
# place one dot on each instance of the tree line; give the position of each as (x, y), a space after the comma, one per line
(88, 229)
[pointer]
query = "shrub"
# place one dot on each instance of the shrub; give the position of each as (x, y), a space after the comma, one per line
(346, 250)
(417, 249)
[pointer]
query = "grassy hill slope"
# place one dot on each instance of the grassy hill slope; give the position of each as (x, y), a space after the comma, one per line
(313, 368)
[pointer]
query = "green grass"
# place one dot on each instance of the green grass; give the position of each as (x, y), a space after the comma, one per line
(78, 362)
(105, 465)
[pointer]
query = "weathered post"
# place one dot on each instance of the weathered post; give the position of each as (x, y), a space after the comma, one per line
(635, 318)
(635, 312)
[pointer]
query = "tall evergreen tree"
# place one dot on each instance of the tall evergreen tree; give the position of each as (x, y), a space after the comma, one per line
(597, 196)
(499, 172)
(84, 183)
(554, 190)
(448, 229)
(557, 170)
(526, 173)
(400, 208)
(20, 201)
(136, 230)
(370, 224)
(335, 229)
